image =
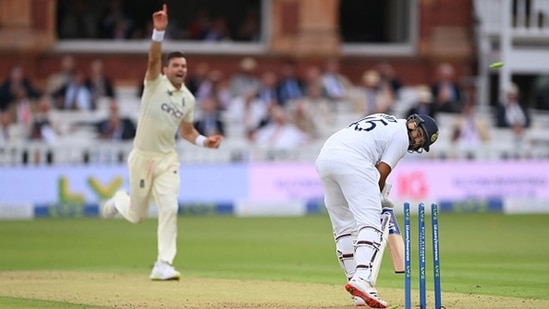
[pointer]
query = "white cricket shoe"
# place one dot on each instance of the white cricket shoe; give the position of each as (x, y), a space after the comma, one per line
(163, 271)
(363, 289)
(359, 302)
(108, 211)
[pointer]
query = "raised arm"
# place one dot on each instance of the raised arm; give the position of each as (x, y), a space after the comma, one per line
(160, 22)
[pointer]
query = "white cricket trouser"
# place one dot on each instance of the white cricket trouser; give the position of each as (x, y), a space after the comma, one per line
(352, 198)
(153, 175)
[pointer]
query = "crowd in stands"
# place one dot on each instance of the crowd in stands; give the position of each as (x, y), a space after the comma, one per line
(26, 111)
(127, 20)
(282, 109)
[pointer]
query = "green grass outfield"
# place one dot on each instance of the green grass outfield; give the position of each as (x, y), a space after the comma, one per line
(488, 254)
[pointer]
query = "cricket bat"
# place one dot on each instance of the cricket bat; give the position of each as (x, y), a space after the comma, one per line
(394, 239)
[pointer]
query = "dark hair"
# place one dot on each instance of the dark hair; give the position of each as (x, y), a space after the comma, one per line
(172, 55)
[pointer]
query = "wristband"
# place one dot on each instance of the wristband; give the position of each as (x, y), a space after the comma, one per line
(200, 140)
(158, 36)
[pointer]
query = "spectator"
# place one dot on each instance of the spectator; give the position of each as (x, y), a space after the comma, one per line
(446, 92)
(245, 79)
(209, 121)
(389, 78)
(200, 25)
(115, 24)
(75, 95)
(10, 132)
(43, 128)
(199, 75)
(217, 31)
(268, 91)
(77, 22)
(217, 86)
(121, 29)
(144, 32)
(15, 81)
(378, 98)
(423, 104)
(336, 85)
(58, 80)
(279, 134)
(22, 109)
(510, 113)
(313, 74)
(268, 118)
(247, 111)
(98, 83)
(116, 127)
(249, 30)
(468, 132)
(289, 87)
(313, 113)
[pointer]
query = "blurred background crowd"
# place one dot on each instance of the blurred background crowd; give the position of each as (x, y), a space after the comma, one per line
(130, 20)
(265, 113)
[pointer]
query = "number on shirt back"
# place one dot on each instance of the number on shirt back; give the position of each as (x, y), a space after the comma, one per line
(369, 123)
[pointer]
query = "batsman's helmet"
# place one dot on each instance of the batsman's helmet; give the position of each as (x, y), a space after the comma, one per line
(429, 126)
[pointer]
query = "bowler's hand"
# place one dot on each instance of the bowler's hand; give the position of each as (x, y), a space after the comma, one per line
(213, 141)
(160, 19)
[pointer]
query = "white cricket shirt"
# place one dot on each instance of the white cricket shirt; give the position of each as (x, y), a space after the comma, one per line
(374, 138)
(163, 107)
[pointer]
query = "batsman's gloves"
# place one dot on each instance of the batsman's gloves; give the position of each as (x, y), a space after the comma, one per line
(387, 203)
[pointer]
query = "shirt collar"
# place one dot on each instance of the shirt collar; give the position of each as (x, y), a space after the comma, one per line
(171, 87)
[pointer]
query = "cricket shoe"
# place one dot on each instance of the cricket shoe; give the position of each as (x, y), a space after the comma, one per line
(359, 302)
(163, 272)
(363, 289)
(108, 211)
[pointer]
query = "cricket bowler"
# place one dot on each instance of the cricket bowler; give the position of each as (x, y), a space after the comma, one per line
(166, 107)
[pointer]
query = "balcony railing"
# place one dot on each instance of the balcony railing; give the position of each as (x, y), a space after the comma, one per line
(525, 19)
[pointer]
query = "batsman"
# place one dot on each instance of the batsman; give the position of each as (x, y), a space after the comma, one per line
(353, 166)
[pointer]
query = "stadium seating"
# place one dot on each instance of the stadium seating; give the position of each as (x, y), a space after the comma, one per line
(79, 143)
